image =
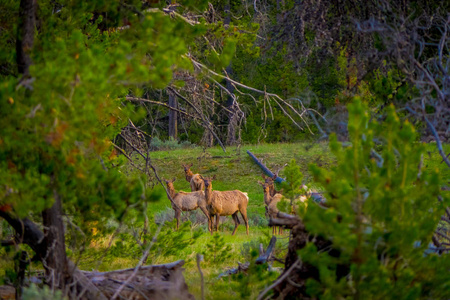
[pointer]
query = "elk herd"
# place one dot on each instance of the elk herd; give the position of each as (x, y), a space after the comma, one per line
(221, 203)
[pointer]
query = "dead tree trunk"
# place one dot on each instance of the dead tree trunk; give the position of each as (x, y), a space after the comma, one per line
(230, 103)
(173, 103)
(292, 282)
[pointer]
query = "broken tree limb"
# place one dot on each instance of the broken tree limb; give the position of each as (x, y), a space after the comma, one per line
(283, 222)
(264, 168)
(268, 254)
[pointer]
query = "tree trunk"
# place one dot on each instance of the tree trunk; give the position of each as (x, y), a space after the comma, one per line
(230, 103)
(173, 116)
(55, 260)
(25, 34)
(28, 233)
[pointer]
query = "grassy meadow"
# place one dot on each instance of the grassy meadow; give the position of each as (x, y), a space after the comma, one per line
(234, 169)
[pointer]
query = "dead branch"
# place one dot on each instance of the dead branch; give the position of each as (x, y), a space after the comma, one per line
(267, 255)
(275, 97)
(206, 123)
(280, 279)
(199, 259)
(134, 99)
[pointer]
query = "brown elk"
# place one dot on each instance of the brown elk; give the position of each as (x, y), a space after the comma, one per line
(183, 201)
(271, 202)
(225, 203)
(194, 180)
(270, 181)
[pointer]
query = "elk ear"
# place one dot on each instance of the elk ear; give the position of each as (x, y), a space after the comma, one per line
(174, 179)
(166, 181)
(274, 177)
(190, 165)
(263, 176)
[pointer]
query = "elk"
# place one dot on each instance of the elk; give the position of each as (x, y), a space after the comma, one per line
(225, 203)
(194, 180)
(183, 201)
(271, 202)
(270, 181)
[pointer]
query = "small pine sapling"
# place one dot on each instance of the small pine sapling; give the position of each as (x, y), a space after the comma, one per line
(217, 251)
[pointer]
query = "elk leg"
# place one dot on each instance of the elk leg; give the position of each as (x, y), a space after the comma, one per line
(205, 211)
(236, 222)
(244, 216)
(217, 222)
(236, 218)
(177, 216)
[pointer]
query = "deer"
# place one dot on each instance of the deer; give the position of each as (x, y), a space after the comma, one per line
(225, 203)
(183, 201)
(194, 180)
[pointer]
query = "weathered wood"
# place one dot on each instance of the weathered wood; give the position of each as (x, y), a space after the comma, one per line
(240, 268)
(173, 131)
(268, 253)
(151, 282)
(283, 222)
(287, 216)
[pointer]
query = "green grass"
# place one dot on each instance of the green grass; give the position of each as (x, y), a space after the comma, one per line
(235, 170)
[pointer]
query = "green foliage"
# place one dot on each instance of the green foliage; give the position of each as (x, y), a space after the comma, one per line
(383, 212)
(217, 251)
(57, 130)
(257, 276)
(34, 292)
(293, 184)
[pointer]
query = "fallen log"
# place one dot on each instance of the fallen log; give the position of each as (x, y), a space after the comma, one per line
(151, 282)
(264, 168)
(241, 268)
